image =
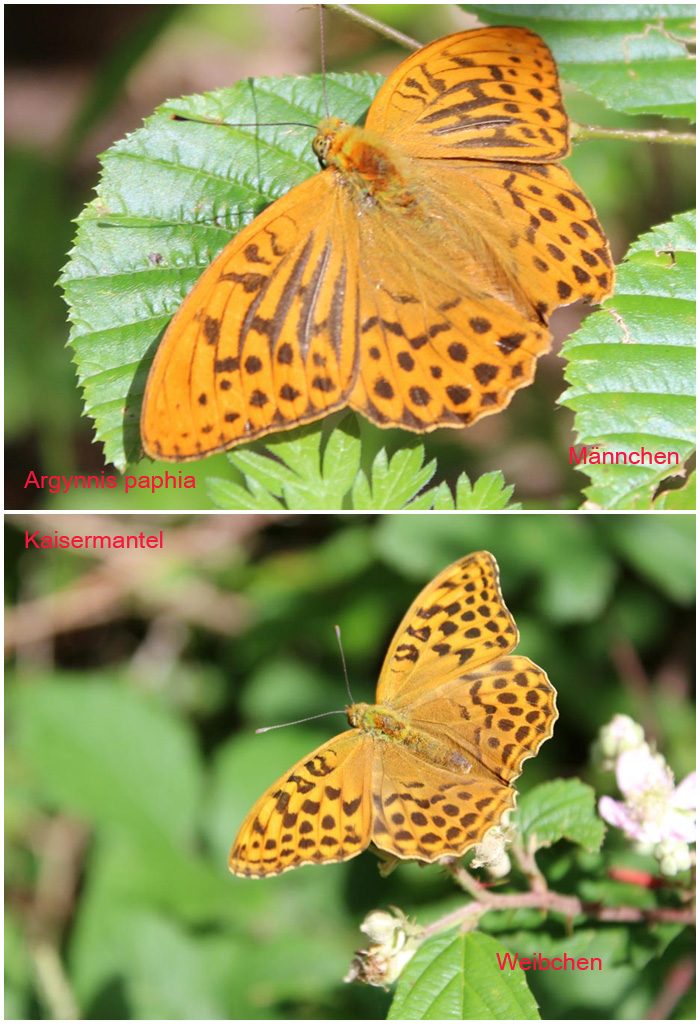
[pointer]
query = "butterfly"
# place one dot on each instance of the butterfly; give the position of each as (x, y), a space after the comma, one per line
(427, 771)
(411, 279)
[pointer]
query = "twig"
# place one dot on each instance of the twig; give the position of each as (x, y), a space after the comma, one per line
(557, 903)
(525, 859)
(52, 981)
(582, 132)
(377, 26)
(542, 898)
(60, 847)
(466, 881)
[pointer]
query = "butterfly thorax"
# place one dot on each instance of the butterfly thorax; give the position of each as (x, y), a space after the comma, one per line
(390, 726)
(365, 163)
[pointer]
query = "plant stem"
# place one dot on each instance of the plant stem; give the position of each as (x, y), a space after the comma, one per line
(558, 903)
(582, 132)
(377, 26)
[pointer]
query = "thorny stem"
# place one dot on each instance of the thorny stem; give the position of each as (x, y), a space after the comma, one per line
(541, 898)
(463, 878)
(528, 865)
(557, 903)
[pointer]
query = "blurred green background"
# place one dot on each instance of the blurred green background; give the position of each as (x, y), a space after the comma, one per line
(135, 681)
(80, 77)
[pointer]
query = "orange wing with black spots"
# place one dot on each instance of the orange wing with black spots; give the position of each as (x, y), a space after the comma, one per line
(427, 771)
(266, 339)
(411, 279)
(458, 623)
(318, 812)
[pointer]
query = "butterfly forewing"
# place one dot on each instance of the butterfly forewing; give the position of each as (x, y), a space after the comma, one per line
(267, 337)
(492, 94)
(456, 624)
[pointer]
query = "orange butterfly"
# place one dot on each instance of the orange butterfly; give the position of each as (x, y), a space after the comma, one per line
(426, 772)
(411, 279)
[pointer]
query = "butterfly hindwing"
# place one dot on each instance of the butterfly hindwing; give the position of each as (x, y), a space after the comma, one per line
(496, 716)
(550, 248)
(426, 811)
(437, 347)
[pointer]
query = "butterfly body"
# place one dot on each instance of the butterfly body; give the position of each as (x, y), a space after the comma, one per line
(411, 279)
(384, 724)
(427, 771)
(364, 164)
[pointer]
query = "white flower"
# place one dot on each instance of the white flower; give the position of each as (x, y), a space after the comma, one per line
(653, 808)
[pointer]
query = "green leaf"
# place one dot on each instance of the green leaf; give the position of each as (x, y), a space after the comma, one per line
(393, 482)
(311, 467)
(169, 970)
(227, 494)
(458, 977)
(317, 467)
(562, 809)
(632, 371)
(170, 197)
(636, 58)
(92, 745)
(641, 540)
(119, 936)
(489, 493)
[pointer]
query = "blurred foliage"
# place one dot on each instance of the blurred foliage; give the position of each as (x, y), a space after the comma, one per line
(134, 684)
(117, 53)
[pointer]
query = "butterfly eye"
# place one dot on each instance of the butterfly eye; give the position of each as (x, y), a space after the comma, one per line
(320, 146)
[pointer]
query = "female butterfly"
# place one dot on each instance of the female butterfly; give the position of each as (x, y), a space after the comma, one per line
(411, 279)
(427, 771)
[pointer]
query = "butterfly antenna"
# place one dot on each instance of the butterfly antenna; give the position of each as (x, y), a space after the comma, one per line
(342, 656)
(323, 58)
(299, 721)
(242, 124)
